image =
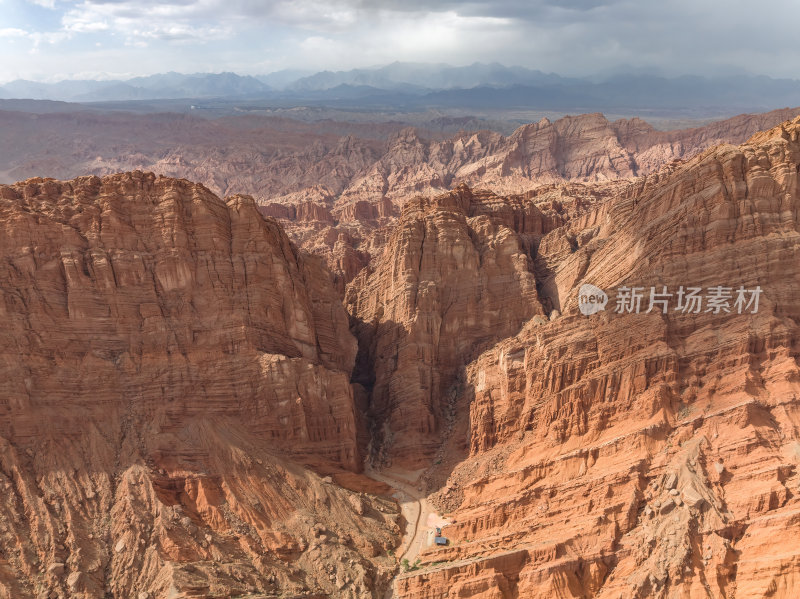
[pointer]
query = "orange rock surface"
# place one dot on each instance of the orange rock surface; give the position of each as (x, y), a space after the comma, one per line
(171, 365)
(454, 278)
(336, 187)
(348, 224)
(641, 455)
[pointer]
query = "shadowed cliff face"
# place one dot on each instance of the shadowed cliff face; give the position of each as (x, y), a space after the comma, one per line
(455, 277)
(170, 365)
(458, 273)
(634, 454)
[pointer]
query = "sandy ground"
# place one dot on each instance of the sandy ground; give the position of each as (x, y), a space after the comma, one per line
(421, 516)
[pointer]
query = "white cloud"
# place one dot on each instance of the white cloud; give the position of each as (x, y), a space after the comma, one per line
(13, 32)
(310, 14)
(78, 26)
(48, 37)
(51, 4)
(182, 32)
(177, 21)
(404, 35)
(37, 37)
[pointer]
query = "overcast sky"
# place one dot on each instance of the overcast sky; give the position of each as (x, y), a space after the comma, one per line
(56, 39)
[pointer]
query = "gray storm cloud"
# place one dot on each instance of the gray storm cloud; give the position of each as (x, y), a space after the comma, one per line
(572, 37)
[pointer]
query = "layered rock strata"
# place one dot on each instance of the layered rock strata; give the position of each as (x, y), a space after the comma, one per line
(641, 454)
(171, 367)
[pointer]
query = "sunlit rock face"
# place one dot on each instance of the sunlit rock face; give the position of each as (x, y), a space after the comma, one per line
(629, 454)
(337, 186)
(454, 278)
(171, 366)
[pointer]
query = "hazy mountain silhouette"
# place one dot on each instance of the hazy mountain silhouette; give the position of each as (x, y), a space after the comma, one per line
(418, 86)
(160, 86)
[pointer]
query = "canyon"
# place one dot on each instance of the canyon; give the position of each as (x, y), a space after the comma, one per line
(337, 187)
(284, 160)
(210, 397)
(634, 454)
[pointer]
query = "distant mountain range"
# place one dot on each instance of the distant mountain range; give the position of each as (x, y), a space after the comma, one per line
(426, 77)
(415, 86)
(155, 87)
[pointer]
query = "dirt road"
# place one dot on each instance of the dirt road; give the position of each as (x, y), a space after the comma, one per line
(419, 513)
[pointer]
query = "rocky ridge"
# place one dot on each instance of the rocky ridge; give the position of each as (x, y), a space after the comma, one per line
(633, 454)
(175, 387)
(335, 187)
(343, 223)
(456, 275)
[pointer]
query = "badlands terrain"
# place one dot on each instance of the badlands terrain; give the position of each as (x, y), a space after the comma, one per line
(335, 186)
(282, 392)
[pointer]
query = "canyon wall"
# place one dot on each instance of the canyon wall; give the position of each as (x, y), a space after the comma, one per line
(172, 370)
(454, 277)
(627, 454)
(343, 224)
(337, 187)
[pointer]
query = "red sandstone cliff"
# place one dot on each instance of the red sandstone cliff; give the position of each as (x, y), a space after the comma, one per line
(640, 455)
(341, 223)
(342, 183)
(170, 366)
(456, 276)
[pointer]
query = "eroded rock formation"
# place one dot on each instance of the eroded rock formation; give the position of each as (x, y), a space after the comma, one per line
(641, 454)
(454, 277)
(171, 366)
(335, 187)
(343, 223)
